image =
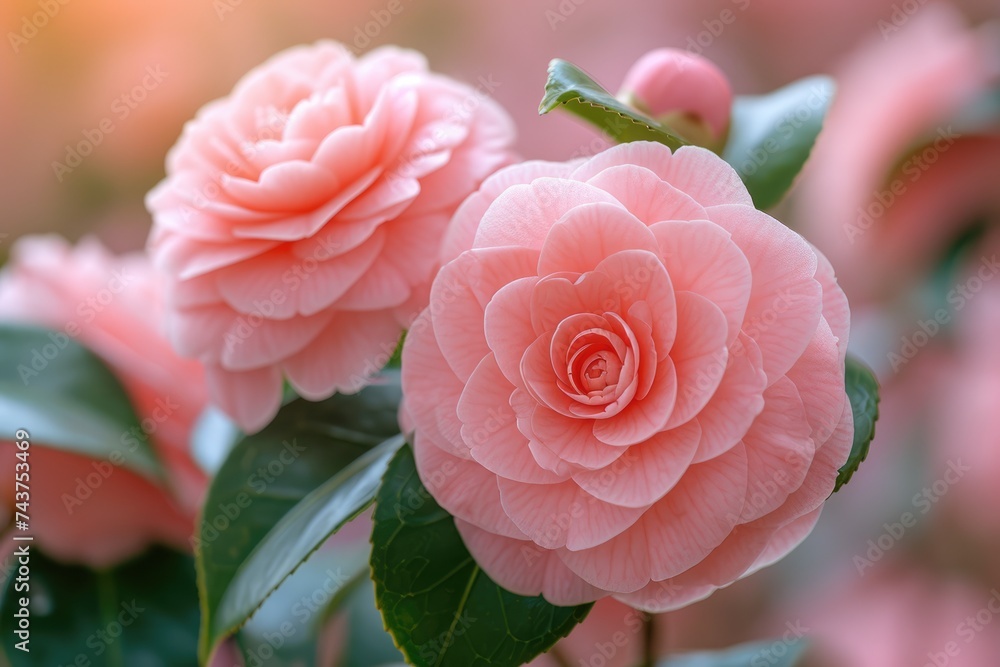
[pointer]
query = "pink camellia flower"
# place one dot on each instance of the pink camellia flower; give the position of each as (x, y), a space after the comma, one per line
(301, 218)
(84, 509)
(631, 383)
(680, 87)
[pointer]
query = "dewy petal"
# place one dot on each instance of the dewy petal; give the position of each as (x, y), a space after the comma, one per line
(587, 234)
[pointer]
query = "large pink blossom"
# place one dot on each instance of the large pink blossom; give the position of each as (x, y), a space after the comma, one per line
(631, 382)
(301, 217)
(92, 510)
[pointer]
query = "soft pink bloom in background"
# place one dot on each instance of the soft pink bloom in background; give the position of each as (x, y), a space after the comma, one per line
(611, 636)
(895, 177)
(643, 372)
(115, 306)
(905, 617)
(671, 82)
(301, 218)
(967, 427)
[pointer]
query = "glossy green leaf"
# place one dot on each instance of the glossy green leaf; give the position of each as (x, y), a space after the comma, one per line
(282, 492)
(573, 89)
(288, 629)
(777, 653)
(771, 136)
(144, 612)
(862, 390)
(441, 608)
(66, 398)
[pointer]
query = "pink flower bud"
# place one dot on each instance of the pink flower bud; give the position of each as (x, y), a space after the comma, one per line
(671, 82)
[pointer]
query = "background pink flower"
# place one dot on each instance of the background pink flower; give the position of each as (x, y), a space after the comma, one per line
(113, 306)
(301, 217)
(905, 618)
(896, 176)
(637, 377)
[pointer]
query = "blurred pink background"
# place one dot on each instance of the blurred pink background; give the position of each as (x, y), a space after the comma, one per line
(117, 80)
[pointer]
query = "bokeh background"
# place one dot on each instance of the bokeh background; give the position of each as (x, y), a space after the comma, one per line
(903, 194)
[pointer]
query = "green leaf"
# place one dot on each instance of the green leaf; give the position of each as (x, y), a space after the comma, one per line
(771, 136)
(143, 609)
(366, 642)
(570, 87)
(862, 389)
(440, 607)
(286, 630)
(777, 653)
(66, 398)
(282, 492)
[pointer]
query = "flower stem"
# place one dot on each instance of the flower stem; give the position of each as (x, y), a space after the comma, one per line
(648, 640)
(560, 658)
